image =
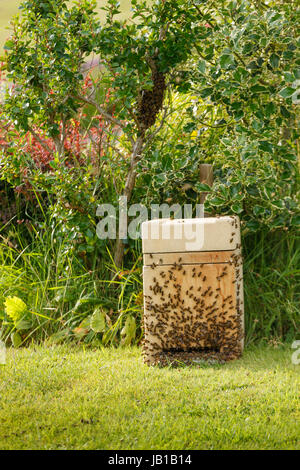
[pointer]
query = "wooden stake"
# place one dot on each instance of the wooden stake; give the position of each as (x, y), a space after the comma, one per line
(207, 177)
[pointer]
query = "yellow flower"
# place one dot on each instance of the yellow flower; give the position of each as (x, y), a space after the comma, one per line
(15, 308)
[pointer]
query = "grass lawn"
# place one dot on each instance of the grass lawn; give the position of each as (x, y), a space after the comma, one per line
(69, 398)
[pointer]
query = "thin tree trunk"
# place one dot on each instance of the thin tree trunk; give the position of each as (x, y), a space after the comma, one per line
(128, 190)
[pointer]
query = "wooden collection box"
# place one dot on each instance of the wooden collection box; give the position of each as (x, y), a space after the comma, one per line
(193, 292)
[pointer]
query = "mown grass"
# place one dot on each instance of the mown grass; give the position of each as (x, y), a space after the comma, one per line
(71, 398)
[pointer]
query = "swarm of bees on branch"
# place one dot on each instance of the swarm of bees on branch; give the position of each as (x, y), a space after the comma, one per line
(199, 322)
(150, 101)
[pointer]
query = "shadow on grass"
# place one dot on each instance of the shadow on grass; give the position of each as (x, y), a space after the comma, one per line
(253, 359)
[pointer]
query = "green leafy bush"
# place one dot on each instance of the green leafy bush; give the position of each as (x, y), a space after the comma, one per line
(250, 76)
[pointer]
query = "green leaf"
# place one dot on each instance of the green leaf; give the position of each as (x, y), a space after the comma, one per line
(24, 324)
(9, 45)
(284, 112)
(190, 126)
(129, 331)
(252, 225)
(202, 187)
(226, 60)
(98, 323)
(237, 208)
(295, 220)
(216, 201)
(266, 146)
(289, 77)
(53, 164)
(206, 92)
(270, 109)
(290, 156)
(86, 300)
(287, 92)
(238, 114)
(59, 336)
(161, 178)
(16, 339)
(258, 210)
(258, 89)
(202, 66)
(257, 125)
(274, 61)
(15, 308)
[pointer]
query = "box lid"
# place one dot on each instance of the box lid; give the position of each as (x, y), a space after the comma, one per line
(199, 234)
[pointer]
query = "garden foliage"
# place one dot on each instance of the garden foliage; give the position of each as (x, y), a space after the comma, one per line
(181, 83)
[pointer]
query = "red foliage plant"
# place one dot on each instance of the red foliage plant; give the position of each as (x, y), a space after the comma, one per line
(85, 141)
(79, 144)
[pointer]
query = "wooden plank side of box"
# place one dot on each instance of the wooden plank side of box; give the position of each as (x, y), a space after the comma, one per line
(190, 306)
(192, 257)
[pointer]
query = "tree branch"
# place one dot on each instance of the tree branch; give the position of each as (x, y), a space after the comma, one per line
(102, 111)
(37, 137)
(202, 15)
(153, 134)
